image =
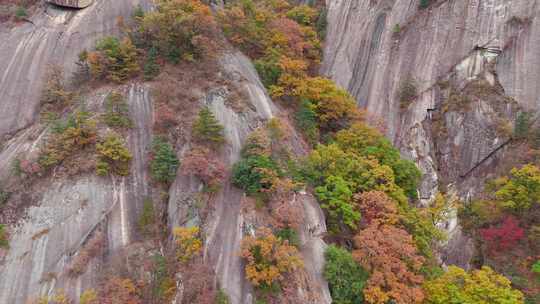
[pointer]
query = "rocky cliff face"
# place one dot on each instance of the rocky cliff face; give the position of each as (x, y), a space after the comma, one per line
(473, 62)
(474, 65)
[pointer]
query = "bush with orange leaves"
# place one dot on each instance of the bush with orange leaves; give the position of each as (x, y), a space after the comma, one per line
(268, 259)
(390, 254)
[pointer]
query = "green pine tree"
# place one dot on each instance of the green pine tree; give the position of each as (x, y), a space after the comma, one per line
(207, 128)
(522, 125)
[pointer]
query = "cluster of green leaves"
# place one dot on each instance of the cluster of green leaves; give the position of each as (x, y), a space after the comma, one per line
(346, 279)
(113, 156)
(117, 111)
(250, 175)
(336, 197)
(207, 129)
(222, 297)
(424, 4)
(164, 162)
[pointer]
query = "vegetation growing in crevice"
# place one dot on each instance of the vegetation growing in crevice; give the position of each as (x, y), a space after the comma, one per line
(117, 111)
(113, 156)
(163, 161)
(207, 130)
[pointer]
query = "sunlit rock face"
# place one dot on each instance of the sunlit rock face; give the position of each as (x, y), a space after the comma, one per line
(373, 46)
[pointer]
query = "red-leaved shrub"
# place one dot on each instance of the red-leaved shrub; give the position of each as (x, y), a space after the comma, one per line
(504, 236)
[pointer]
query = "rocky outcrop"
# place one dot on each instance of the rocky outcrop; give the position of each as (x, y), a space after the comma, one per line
(373, 46)
(229, 222)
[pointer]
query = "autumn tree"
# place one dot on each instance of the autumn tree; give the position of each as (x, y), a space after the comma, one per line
(477, 287)
(268, 259)
(369, 142)
(209, 169)
(113, 59)
(187, 242)
(390, 255)
(73, 134)
(55, 92)
(377, 207)
(117, 111)
(113, 155)
(503, 237)
(207, 129)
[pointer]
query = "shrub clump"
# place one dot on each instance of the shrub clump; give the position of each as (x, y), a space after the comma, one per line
(69, 136)
(117, 112)
(113, 156)
(209, 169)
(407, 92)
